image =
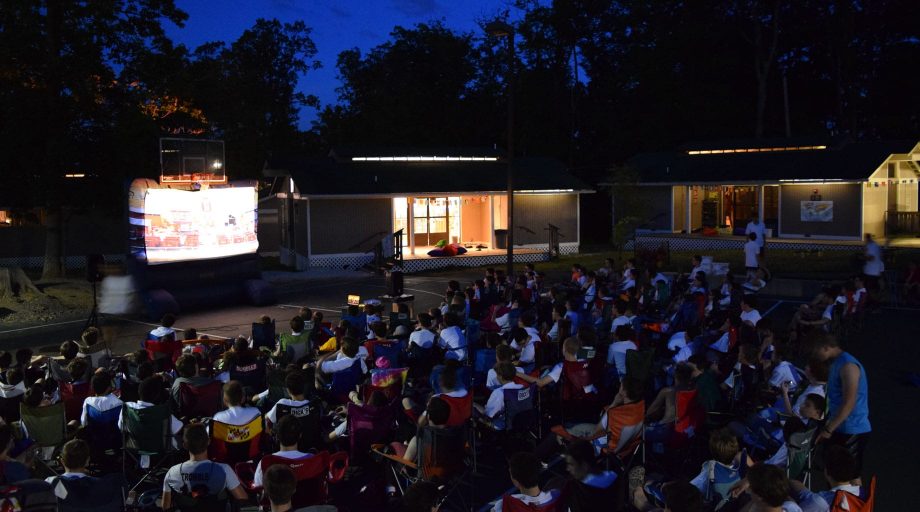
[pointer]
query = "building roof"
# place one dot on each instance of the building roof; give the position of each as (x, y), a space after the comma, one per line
(798, 160)
(338, 174)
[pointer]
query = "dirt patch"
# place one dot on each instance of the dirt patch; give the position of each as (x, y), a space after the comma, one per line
(59, 299)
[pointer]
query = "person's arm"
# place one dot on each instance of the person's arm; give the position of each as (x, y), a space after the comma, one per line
(787, 404)
(849, 374)
(239, 493)
(657, 404)
(167, 500)
(540, 382)
(323, 359)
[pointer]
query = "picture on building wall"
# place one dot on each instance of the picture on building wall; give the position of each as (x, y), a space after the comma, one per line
(817, 211)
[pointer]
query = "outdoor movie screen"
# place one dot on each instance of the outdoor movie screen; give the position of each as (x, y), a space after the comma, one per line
(181, 225)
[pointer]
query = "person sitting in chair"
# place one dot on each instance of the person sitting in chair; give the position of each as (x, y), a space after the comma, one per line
(496, 404)
(295, 383)
(525, 469)
(288, 437)
(103, 398)
(438, 414)
(570, 348)
(199, 476)
(187, 368)
(280, 486)
(340, 360)
(11, 470)
(149, 393)
(588, 485)
(75, 458)
(236, 413)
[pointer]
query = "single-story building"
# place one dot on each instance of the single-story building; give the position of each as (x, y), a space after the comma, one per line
(802, 189)
(333, 211)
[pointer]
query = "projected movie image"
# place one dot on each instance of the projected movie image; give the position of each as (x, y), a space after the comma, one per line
(182, 225)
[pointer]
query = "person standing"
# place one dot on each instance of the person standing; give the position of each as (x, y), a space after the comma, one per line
(751, 253)
(873, 267)
(847, 399)
(758, 228)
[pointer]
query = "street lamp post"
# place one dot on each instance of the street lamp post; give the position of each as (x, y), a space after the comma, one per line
(500, 28)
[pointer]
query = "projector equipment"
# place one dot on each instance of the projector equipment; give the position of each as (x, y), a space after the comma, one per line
(394, 283)
(94, 264)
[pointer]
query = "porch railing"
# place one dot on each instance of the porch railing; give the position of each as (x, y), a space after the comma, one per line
(900, 223)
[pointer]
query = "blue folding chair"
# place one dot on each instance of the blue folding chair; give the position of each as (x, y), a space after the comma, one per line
(102, 429)
(346, 381)
(520, 414)
(482, 363)
(389, 349)
(263, 335)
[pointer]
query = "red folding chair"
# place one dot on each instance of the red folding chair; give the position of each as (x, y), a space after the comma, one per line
(73, 396)
(163, 352)
(690, 415)
(200, 401)
(313, 475)
(461, 409)
(511, 504)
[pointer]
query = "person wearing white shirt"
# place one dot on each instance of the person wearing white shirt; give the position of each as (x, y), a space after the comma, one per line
(103, 400)
(200, 470)
(503, 354)
(751, 252)
(148, 391)
(341, 360)
(496, 403)
(570, 348)
(758, 228)
(677, 341)
(452, 339)
(749, 315)
(616, 354)
(288, 430)
(525, 469)
(236, 413)
(423, 337)
(75, 458)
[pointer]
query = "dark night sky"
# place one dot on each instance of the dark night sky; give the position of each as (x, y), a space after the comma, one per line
(337, 26)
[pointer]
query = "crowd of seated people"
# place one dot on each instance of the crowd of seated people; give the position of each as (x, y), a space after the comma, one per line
(620, 386)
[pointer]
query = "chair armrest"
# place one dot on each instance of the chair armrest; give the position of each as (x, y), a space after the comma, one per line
(377, 448)
(245, 471)
(338, 464)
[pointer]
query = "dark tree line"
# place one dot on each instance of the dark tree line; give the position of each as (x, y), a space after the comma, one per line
(92, 85)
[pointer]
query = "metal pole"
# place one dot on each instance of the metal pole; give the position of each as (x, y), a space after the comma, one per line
(511, 74)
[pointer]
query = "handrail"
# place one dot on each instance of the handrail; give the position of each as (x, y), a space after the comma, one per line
(366, 239)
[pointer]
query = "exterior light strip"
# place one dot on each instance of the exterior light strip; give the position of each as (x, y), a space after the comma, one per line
(75, 175)
(811, 180)
(754, 150)
(424, 159)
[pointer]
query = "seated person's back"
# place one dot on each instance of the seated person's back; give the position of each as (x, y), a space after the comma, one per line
(718, 475)
(525, 469)
(198, 476)
(288, 436)
(187, 369)
(103, 398)
(236, 412)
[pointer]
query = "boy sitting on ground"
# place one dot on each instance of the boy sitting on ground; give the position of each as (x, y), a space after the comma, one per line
(525, 468)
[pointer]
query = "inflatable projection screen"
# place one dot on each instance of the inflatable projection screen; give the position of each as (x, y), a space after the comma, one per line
(194, 249)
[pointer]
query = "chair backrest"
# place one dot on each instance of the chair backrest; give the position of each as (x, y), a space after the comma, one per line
(576, 375)
(200, 401)
(295, 346)
(368, 425)
(440, 452)
(512, 504)
(464, 377)
(639, 364)
(164, 352)
(231, 444)
(263, 335)
(148, 429)
(73, 396)
(92, 494)
(47, 425)
(389, 349)
(346, 381)
(251, 373)
(798, 447)
(624, 427)
(844, 501)
(520, 413)
(9, 408)
(309, 416)
(461, 409)
(102, 427)
(689, 413)
(32, 495)
(310, 473)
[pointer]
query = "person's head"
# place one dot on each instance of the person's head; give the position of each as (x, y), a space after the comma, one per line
(505, 372)
(33, 396)
(769, 484)
(570, 348)
(78, 368)
(350, 346)
(447, 379)
(682, 496)
(195, 438)
(187, 366)
(75, 456)
(683, 374)
(840, 467)
(813, 406)
(723, 446)
(524, 468)
(101, 383)
(241, 345)
(168, 320)
(150, 390)
(697, 260)
(6, 439)
(748, 302)
(295, 382)
(424, 319)
(297, 324)
(288, 431)
(14, 376)
(69, 350)
(317, 318)
(451, 319)
(379, 329)
(144, 370)
(868, 237)
(280, 484)
(503, 353)
(520, 335)
(438, 411)
(24, 355)
(632, 388)
(825, 347)
(233, 394)
(421, 496)
(579, 459)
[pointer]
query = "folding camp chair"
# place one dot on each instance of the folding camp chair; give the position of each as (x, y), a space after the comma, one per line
(200, 401)
(690, 415)
(520, 412)
(251, 374)
(147, 434)
(442, 457)
(344, 382)
(639, 365)
(73, 395)
(232, 444)
(799, 449)
(845, 501)
(32, 495)
(483, 361)
(313, 475)
(163, 352)
(625, 434)
(391, 350)
(263, 335)
(368, 425)
(308, 416)
(9, 408)
(464, 377)
(295, 347)
(510, 504)
(91, 494)
(577, 404)
(389, 381)
(47, 426)
(461, 409)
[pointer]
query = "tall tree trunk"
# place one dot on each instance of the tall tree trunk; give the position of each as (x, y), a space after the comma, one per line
(54, 244)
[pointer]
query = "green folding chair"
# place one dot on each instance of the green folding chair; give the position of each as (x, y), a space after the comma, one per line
(47, 426)
(147, 434)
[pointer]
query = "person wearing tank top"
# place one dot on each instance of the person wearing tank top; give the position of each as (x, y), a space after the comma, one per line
(847, 399)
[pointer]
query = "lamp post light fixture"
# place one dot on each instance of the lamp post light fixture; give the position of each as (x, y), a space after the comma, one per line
(502, 29)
